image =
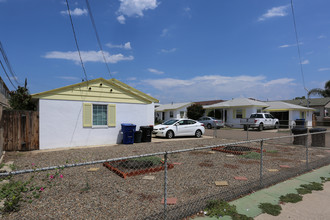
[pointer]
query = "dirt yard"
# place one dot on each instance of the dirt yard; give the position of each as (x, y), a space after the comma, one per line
(77, 193)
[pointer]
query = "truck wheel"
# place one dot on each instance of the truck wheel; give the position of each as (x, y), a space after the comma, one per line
(277, 126)
(209, 126)
(261, 127)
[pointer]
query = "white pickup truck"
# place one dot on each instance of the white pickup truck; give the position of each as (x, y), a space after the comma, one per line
(260, 121)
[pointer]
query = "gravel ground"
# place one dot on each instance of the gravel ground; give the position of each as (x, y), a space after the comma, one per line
(104, 195)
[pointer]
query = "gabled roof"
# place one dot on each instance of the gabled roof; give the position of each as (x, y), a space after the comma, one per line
(238, 102)
(98, 90)
(284, 106)
(312, 102)
(172, 106)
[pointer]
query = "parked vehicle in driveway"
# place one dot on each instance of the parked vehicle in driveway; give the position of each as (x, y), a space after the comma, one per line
(211, 122)
(179, 127)
(260, 121)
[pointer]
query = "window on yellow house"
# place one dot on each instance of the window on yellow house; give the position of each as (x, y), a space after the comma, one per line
(100, 114)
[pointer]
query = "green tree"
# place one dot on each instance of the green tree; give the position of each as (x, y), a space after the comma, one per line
(302, 97)
(321, 92)
(195, 111)
(21, 99)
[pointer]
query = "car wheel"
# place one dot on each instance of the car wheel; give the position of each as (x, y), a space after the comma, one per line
(261, 127)
(198, 134)
(209, 126)
(277, 126)
(169, 134)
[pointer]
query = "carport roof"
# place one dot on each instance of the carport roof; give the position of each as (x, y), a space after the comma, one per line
(238, 102)
(284, 106)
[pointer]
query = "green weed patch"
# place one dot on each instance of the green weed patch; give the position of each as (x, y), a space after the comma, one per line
(270, 209)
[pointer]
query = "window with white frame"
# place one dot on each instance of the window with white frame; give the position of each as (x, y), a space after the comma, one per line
(100, 116)
(171, 114)
(181, 114)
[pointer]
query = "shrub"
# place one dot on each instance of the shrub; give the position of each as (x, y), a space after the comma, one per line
(270, 209)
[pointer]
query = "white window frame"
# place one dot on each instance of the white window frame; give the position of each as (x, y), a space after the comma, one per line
(99, 126)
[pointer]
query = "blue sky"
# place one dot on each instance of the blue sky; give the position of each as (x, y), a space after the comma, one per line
(174, 50)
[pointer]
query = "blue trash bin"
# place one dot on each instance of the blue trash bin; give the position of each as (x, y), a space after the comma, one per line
(300, 123)
(128, 130)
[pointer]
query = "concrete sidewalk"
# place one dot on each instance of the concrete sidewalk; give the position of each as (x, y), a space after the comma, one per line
(313, 206)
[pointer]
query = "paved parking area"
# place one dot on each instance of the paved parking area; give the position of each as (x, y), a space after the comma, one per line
(241, 135)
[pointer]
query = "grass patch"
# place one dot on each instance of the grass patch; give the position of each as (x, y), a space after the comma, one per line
(303, 191)
(219, 208)
(13, 167)
(325, 179)
(291, 197)
(313, 186)
(251, 155)
(270, 209)
(2, 165)
(272, 151)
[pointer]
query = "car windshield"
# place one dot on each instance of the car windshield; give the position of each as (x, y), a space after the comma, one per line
(170, 122)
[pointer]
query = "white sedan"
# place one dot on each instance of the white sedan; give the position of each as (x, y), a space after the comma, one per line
(179, 127)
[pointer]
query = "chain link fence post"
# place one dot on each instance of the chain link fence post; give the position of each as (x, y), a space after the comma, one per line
(215, 133)
(307, 164)
(261, 161)
(247, 133)
(165, 186)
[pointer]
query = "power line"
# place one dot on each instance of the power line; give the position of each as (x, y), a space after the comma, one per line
(2, 50)
(7, 75)
(75, 39)
(298, 47)
(97, 35)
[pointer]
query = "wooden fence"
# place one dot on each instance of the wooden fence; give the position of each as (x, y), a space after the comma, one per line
(20, 130)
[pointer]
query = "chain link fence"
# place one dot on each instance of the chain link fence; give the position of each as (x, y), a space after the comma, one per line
(178, 183)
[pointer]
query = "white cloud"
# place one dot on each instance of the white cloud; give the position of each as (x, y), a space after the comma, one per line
(121, 19)
(187, 12)
(158, 72)
(87, 56)
(75, 12)
(126, 46)
(322, 36)
(305, 62)
(280, 11)
(209, 87)
(289, 45)
(168, 51)
(131, 8)
(323, 69)
(164, 32)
